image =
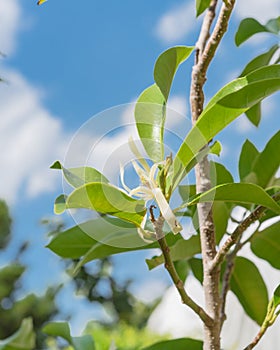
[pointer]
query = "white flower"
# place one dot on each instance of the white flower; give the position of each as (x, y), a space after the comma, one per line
(149, 190)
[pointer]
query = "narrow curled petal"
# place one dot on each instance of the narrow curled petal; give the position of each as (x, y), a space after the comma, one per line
(122, 179)
(142, 192)
(166, 211)
(140, 172)
(137, 154)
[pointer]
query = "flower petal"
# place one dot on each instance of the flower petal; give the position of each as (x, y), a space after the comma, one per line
(166, 211)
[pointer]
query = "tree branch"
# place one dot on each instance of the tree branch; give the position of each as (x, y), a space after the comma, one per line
(207, 45)
(169, 265)
(235, 236)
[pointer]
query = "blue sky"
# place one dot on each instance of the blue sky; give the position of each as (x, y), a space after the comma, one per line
(65, 63)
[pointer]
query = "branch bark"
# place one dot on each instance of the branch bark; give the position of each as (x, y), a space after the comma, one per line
(169, 265)
(206, 48)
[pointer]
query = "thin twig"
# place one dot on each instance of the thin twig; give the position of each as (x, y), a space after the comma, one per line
(205, 28)
(226, 280)
(237, 233)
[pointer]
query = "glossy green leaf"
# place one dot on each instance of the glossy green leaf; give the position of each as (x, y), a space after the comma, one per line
(99, 238)
(150, 113)
(230, 102)
(62, 329)
(259, 61)
(60, 204)
(248, 285)
(23, 339)
(266, 244)
(187, 191)
(77, 177)
(216, 149)
(237, 193)
(247, 28)
(201, 6)
(219, 174)
(247, 158)
(267, 163)
(254, 114)
(181, 250)
(121, 242)
(167, 65)
(177, 344)
(74, 242)
(107, 199)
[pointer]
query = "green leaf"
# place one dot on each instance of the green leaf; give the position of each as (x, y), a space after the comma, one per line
(266, 244)
(267, 163)
(23, 339)
(150, 113)
(276, 296)
(121, 242)
(187, 191)
(178, 344)
(219, 174)
(58, 329)
(231, 101)
(237, 193)
(273, 25)
(201, 6)
(60, 204)
(248, 285)
(167, 65)
(107, 199)
(197, 268)
(247, 28)
(99, 238)
(77, 177)
(221, 213)
(254, 114)
(62, 329)
(247, 158)
(216, 149)
(74, 242)
(259, 61)
(182, 267)
(181, 250)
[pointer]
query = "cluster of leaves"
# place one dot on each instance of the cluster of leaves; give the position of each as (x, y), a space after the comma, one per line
(118, 301)
(122, 214)
(20, 319)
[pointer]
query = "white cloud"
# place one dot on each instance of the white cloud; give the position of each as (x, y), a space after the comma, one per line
(31, 138)
(172, 317)
(177, 23)
(149, 290)
(260, 10)
(10, 13)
